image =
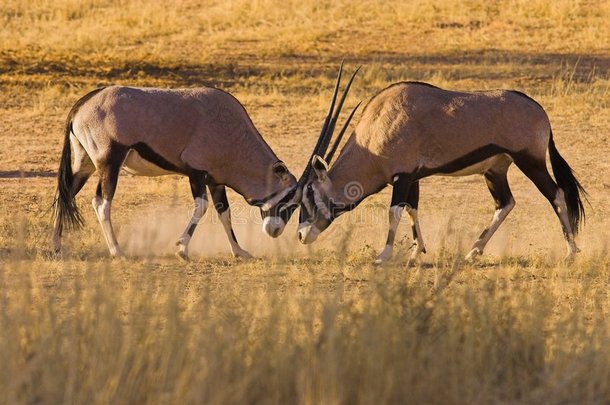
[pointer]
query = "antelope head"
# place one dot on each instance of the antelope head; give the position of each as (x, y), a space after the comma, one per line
(275, 210)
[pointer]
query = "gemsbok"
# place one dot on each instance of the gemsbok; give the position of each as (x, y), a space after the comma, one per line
(203, 133)
(412, 130)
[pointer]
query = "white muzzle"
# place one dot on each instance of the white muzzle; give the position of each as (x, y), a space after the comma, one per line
(308, 233)
(273, 226)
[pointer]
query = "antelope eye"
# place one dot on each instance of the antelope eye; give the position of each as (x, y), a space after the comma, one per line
(309, 187)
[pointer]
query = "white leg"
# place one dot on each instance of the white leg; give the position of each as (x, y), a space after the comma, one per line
(499, 216)
(394, 216)
(56, 235)
(225, 219)
(102, 211)
(201, 206)
(417, 236)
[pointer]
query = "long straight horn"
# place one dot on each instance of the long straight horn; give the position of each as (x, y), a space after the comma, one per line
(323, 132)
(330, 155)
(333, 121)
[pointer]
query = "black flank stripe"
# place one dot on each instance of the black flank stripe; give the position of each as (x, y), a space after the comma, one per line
(153, 157)
(463, 162)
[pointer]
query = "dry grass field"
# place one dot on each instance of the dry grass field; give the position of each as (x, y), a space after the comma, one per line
(302, 325)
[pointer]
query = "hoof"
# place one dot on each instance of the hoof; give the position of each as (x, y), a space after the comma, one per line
(182, 252)
(381, 260)
(242, 254)
(570, 258)
(183, 255)
(473, 255)
(384, 256)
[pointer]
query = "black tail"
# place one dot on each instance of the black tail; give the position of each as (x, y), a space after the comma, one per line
(66, 210)
(572, 189)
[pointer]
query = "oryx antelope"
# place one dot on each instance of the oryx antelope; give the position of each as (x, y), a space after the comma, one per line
(412, 130)
(203, 133)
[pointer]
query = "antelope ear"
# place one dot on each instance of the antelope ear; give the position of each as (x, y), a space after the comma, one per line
(280, 170)
(320, 167)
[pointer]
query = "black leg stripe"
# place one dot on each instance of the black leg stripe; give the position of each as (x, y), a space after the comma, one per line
(191, 229)
(400, 190)
(198, 181)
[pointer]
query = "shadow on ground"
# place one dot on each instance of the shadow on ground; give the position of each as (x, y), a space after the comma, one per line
(232, 73)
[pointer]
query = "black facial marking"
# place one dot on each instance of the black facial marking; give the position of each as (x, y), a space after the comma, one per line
(283, 210)
(280, 209)
(334, 208)
(262, 201)
(303, 214)
(286, 214)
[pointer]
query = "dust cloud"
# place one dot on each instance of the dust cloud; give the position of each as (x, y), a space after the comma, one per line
(155, 231)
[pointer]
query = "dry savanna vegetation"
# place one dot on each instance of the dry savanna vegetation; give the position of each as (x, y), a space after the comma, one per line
(302, 325)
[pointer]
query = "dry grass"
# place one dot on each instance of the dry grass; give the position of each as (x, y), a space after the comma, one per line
(311, 331)
(317, 325)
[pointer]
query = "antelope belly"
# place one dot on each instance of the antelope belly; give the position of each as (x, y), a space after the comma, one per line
(138, 166)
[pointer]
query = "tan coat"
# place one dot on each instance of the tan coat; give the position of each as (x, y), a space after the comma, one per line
(422, 130)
